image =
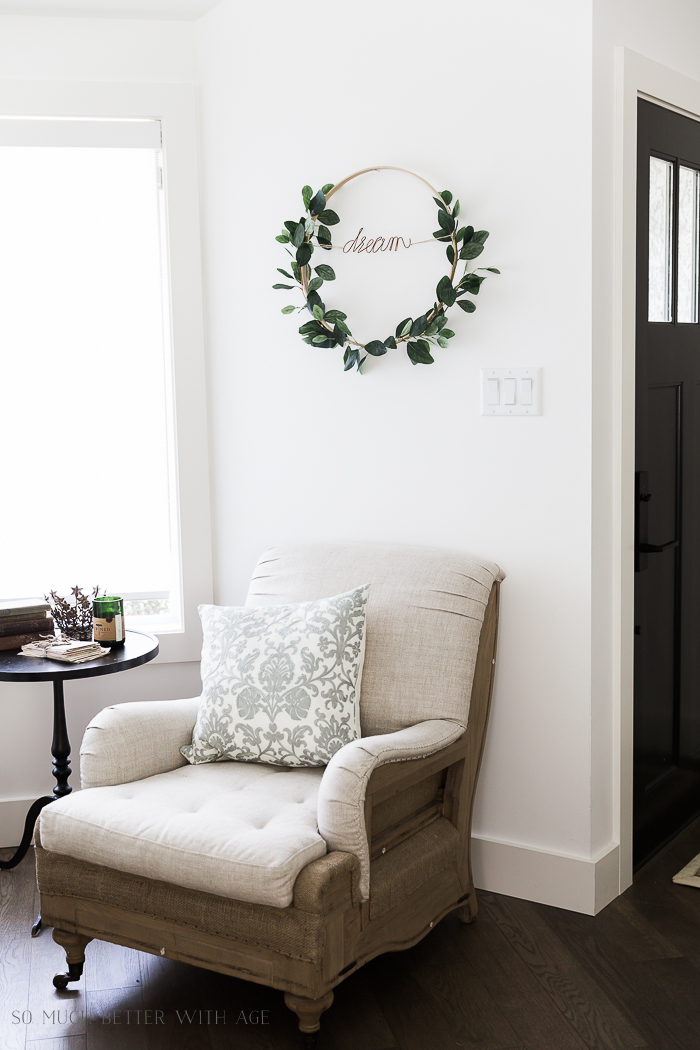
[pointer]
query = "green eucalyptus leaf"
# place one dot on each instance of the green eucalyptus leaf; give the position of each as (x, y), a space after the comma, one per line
(360, 364)
(290, 226)
(309, 227)
(480, 236)
(468, 233)
(329, 218)
(376, 348)
(299, 234)
(288, 309)
(342, 326)
(473, 283)
(315, 284)
(317, 312)
(446, 333)
(339, 335)
(446, 196)
(283, 238)
(296, 271)
(440, 204)
(314, 299)
(304, 253)
(491, 269)
(390, 343)
(419, 355)
(318, 339)
(336, 315)
(326, 272)
(317, 203)
(350, 358)
(467, 305)
(455, 210)
(442, 235)
(462, 233)
(419, 325)
(323, 235)
(287, 287)
(284, 273)
(441, 322)
(311, 328)
(432, 329)
(445, 292)
(306, 195)
(471, 250)
(446, 221)
(450, 253)
(404, 327)
(442, 342)
(327, 188)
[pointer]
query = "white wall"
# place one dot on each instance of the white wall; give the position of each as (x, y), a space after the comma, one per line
(302, 450)
(81, 50)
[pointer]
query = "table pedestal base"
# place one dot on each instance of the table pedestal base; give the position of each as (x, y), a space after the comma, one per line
(60, 749)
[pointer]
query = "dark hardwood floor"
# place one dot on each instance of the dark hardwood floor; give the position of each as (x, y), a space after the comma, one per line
(522, 976)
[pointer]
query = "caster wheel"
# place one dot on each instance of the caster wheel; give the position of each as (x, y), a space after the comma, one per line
(61, 980)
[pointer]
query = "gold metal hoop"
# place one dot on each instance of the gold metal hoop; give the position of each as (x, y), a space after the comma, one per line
(382, 167)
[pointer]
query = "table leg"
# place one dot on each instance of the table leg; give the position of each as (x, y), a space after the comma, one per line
(34, 811)
(60, 749)
(60, 745)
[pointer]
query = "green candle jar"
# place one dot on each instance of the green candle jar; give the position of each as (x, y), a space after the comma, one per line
(108, 620)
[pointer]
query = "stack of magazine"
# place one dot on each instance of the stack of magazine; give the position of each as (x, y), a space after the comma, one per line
(68, 652)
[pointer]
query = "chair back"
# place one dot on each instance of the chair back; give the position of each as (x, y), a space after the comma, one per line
(424, 618)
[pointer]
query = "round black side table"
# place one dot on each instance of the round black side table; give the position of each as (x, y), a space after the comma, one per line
(138, 649)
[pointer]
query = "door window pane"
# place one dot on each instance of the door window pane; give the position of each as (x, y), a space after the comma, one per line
(660, 238)
(688, 214)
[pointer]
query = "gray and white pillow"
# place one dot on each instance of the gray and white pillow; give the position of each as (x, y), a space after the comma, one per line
(281, 684)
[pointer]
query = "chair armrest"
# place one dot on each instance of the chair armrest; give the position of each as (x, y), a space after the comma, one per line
(132, 741)
(341, 796)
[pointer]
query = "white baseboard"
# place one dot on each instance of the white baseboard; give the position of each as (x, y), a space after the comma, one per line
(13, 812)
(561, 881)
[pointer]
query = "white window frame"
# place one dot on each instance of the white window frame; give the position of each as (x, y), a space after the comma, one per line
(175, 105)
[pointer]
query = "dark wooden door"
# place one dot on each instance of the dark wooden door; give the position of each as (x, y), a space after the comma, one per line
(667, 504)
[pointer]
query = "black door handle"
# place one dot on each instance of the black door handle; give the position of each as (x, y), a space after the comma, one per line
(653, 548)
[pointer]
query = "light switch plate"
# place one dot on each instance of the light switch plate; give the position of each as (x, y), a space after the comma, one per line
(520, 406)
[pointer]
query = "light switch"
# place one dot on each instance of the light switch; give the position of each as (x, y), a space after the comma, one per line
(514, 391)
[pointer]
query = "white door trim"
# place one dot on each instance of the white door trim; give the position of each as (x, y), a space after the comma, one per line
(635, 76)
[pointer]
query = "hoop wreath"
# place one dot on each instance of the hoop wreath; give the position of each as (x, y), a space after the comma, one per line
(330, 327)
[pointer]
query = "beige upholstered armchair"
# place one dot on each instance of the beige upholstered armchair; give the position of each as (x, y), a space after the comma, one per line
(292, 878)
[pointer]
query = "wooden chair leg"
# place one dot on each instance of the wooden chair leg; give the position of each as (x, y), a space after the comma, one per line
(468, 912)
(308, 1010)
(74, 945)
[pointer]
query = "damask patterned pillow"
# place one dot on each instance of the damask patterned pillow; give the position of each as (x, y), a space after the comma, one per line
(281, 684)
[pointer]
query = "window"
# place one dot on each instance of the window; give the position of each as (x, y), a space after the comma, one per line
(666, 209)
(94, 487)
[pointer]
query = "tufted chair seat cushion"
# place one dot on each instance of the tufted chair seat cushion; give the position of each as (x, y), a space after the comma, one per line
(234, 829)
